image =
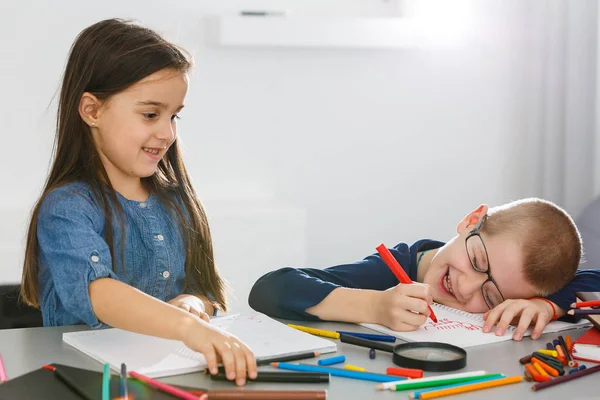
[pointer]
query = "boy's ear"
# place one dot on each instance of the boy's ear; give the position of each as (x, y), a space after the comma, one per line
(472, 219)
(89, 107)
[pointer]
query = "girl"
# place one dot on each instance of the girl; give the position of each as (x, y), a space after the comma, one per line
(119, 236)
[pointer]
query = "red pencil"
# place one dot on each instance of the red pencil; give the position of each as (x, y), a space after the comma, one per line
(398, 271)
(593, 303)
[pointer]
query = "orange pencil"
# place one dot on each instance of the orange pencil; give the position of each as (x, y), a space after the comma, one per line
(545, 367)
(569, 343)
(393, 264)
(470, 388)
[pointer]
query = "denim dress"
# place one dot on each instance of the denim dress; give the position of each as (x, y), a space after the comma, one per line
(73, 252)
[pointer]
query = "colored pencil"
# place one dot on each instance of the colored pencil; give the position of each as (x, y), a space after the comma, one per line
(551, 353)
(266, 394)
(123, 381)
(351, 367)
(583, 312)
(269, 360)
(525, 360)
(406, 385)
(593, 303)
(569, 343)
(366, 376)
(405, 372)
(565, 378)
(281, 377)
(415, 395)
(370, 336)
(547, 365)
(315, 331)
(106, 382)
(390, 385)
(370, 344)
(69, 383)
(396, 268)
(471, 388)
(293, 357)
(331, 361)
(566, 350)
(3, 377)
(182, 394)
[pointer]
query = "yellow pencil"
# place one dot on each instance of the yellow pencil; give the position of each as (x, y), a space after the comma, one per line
(354, 368)
(470, 388)
(551, 353)
(315, 331)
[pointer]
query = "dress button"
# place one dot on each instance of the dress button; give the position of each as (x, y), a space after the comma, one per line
(160, 237)
(95, 259)
(142, 205)
(166, 274)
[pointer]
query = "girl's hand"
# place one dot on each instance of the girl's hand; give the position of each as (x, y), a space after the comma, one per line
(218, 345)
(395, 306)
(191, 304)
(519, 312)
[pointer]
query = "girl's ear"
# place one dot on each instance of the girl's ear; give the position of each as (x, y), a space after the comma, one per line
(472, 219)
(89, 107)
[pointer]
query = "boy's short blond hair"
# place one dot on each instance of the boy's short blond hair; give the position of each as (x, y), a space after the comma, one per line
(548, 237)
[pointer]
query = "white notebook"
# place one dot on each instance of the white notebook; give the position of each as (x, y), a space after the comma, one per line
(156, 357)
(463, 329)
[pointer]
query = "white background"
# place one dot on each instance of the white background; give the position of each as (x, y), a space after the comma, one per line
(313, 156)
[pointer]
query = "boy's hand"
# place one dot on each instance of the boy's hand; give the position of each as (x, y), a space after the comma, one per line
(520, 312)
(396, 305)
(218, 345)
(191, 304)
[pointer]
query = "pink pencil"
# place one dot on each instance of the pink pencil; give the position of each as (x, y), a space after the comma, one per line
(3, 377)
(182, 394)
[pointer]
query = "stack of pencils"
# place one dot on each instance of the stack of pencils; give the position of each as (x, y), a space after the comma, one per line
(585, 308)
(548, 367)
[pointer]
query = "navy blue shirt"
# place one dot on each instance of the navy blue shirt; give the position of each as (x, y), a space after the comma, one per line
(288, 292)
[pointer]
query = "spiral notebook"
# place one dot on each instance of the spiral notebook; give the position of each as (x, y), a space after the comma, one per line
(156, 357)
(463, 329)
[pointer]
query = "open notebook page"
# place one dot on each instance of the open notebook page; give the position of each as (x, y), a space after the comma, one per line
(156, 357)
(463, 329)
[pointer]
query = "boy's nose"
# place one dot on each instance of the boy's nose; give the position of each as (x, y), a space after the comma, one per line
(470, 285)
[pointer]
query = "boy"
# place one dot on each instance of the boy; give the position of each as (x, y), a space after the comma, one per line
(498, 263)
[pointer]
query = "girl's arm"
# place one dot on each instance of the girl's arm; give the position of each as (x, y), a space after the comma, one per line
(122, 306)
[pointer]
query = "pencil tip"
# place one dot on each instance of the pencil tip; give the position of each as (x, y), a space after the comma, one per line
(317, 354)
(379, 387)
(275, 364)
(49, 367)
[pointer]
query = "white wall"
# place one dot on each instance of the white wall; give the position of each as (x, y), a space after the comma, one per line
(302, 157)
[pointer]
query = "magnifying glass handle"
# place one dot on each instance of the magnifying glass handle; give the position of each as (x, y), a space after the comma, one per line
(371, 344)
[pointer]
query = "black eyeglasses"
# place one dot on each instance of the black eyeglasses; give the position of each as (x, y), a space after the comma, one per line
(478, 256)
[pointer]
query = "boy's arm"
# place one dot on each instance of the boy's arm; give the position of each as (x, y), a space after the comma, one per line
(586, 280)
(289, 292)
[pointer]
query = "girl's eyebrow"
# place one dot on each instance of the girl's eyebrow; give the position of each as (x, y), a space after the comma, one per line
(157, 104)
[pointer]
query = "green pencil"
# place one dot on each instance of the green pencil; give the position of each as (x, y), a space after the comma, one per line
(440, 382)
(106, 382)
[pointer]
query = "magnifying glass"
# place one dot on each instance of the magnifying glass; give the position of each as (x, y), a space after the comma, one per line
(428, 356)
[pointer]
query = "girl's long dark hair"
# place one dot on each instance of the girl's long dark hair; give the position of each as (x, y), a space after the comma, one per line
(105, 59)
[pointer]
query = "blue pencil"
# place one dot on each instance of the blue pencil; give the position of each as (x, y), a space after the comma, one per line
(379, 338)
(365, 376)
(416, 395)
(106, 383)
(123, 381)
